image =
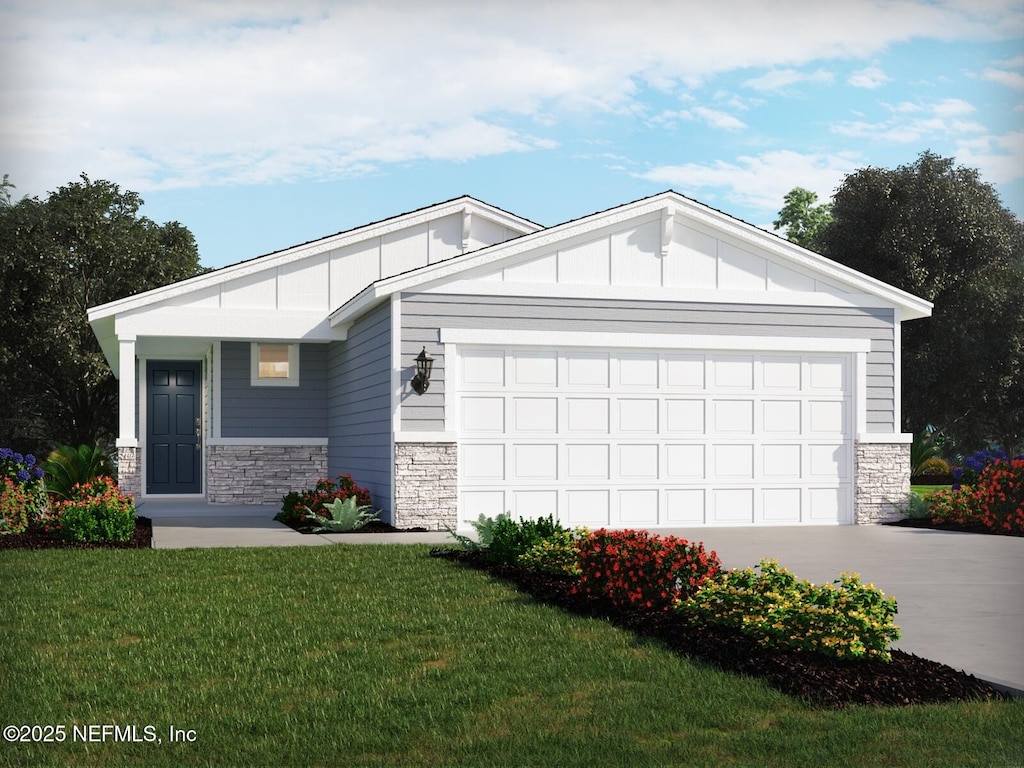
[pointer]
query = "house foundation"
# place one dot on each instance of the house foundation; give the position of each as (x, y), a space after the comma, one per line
(881, 481)
(426, 485)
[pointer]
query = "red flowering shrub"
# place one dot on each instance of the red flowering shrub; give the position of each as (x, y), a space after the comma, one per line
(15, 502)
(325, 491)
(93, 511)
(642, 570)
(996, 500)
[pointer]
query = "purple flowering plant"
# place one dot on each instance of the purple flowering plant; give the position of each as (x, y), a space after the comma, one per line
(22, 478)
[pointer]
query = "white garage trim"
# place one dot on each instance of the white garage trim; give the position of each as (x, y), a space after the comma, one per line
(651, 341)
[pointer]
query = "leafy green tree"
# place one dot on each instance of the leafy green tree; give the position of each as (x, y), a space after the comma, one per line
(937, 230)
(801, 218)
(84, 245)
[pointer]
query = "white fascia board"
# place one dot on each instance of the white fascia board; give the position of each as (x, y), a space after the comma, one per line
(563, 339)
(330, 243)
(667, 206)
(641, 293)
(200, 322)
(890, 438)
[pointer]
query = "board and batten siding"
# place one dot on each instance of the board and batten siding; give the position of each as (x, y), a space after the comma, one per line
(275, 412)
(424, 314)
(359, 405)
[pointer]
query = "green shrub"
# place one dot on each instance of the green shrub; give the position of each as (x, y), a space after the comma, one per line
(557, 554)
(642, 570)
(15, 502)
(67, 467)
(342, 516)
(484, 527)
(94, 511)
(295, 503)
(916, 507)
(844, 619)
(510, 539)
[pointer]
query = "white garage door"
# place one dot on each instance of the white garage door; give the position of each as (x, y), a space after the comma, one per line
(635, 438)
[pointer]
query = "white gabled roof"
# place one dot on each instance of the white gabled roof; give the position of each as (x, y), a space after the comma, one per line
(669, 205)
(464, 205)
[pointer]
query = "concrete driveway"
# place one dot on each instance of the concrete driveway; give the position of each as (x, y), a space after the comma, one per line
(960, 595)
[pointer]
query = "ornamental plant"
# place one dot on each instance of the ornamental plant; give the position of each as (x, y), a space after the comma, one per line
(22, 470)
(93, 511)
(15, 502)
(342, 516)
(642, 570)
(557, 554)
(68, 466)
(845, 619)
(510, 539)
(996, 500)
(295, 503)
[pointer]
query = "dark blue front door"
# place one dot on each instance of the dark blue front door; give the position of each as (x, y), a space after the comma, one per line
(173, 427)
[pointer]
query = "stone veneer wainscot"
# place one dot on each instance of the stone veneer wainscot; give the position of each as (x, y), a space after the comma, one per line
(426, 485)
(129, 477)
(262, 474)
(882, 478)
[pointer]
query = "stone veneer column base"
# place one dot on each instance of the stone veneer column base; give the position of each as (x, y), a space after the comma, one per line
(129, 474)
(261, 474)
(881, 481)
(426, 485)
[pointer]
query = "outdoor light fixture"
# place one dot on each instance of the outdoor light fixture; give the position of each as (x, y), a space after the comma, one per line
(424, 365)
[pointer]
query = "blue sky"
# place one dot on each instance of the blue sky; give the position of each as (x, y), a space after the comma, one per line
(260, 125)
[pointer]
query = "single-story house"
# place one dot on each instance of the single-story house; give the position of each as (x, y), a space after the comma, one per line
(656, 364)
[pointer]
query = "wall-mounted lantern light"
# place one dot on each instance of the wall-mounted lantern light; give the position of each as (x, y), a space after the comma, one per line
(424, 365)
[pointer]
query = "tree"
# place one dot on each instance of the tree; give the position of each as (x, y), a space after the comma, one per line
(802, 219)
(936, 230)
(84, 245)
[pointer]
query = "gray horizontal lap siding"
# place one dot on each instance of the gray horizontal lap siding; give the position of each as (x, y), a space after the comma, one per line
(278, 412)
(424, 314)
(359, 405)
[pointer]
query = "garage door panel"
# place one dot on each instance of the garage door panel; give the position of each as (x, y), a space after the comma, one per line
(534, 504)
(587, 461)
(535, 414)
(685, 506)
(586, 370)
(635, 438)
(587, 507)
(638, 461)
(732, 505)
(482, 415)
(534, 462)
(483, 462)
(684, 371)
(638, 506)
(636, 415)
(684, 461)
(781, 505)
(732, 461)
(587, 414)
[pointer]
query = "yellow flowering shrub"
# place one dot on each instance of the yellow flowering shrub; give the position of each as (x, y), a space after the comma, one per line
(557, 554)
(846, 619)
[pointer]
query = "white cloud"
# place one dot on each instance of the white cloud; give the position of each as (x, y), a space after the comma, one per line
(870, 77)
(999, 159)
(242, 93)
(910, 123)
(951, 107)
(782, 79)
(1009, 79)
(760, 181)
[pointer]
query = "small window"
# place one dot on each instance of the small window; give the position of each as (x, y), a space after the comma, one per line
(275, 365)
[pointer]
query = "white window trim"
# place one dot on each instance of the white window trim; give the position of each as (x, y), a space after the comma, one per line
(254, 366)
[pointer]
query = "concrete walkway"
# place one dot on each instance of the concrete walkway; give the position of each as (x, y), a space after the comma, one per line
(960, 595)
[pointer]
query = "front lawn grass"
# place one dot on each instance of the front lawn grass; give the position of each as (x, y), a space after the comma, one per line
(924, 490)
(382, 656)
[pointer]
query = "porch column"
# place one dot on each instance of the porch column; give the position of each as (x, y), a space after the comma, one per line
(129, 477)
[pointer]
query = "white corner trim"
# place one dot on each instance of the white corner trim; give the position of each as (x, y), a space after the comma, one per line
(259, 442)
(651, 340)
(898, 438)
(425, 437)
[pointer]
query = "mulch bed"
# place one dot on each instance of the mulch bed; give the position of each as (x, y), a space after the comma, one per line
(820, 680)
(924, 522)
(36, 538)
(374, 526)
